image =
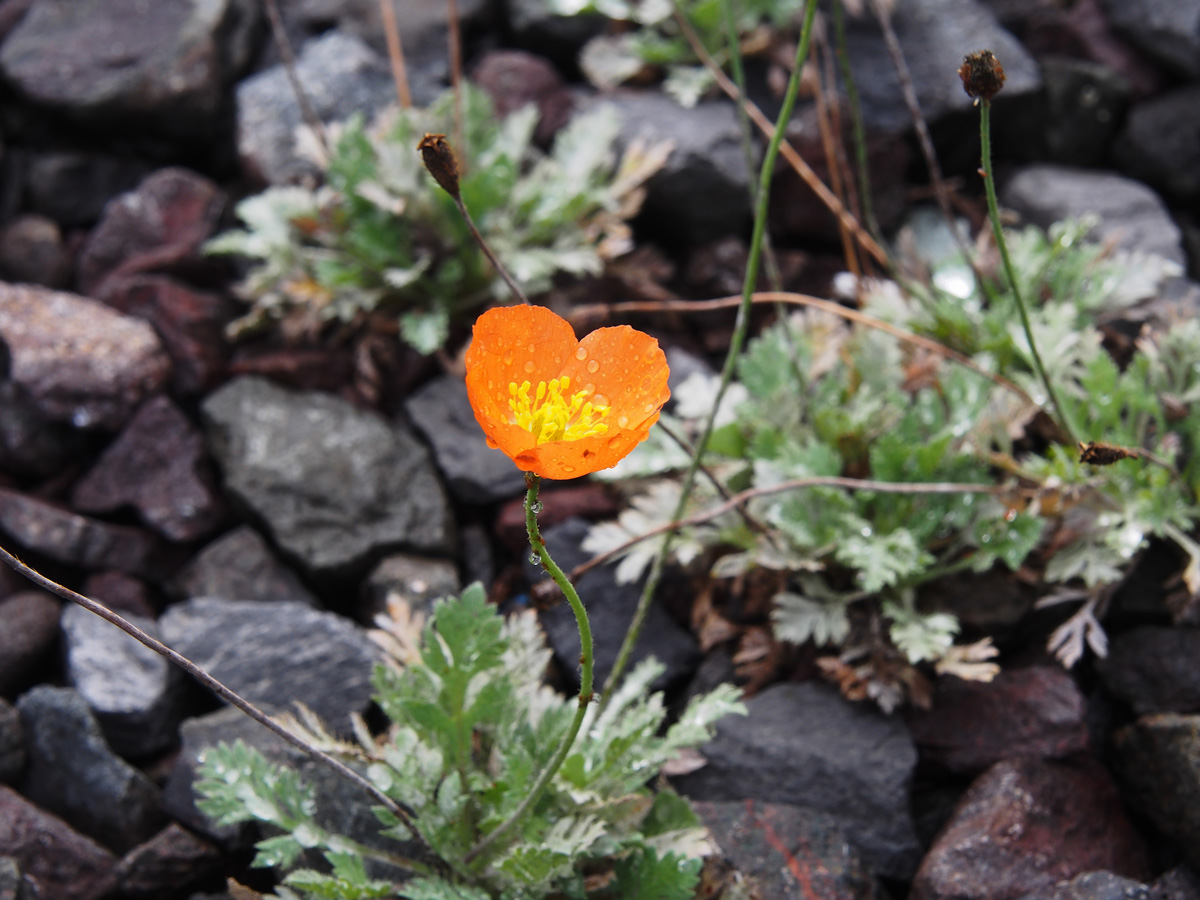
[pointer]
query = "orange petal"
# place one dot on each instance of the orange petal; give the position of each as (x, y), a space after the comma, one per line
(619, 367)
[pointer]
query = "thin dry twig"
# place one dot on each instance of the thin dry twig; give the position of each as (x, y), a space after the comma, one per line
(391, 32)
(289, 67)
(793, 299)
(830, 144)
(399, 810)
(854, 484)
(455, 42)
(794, 159)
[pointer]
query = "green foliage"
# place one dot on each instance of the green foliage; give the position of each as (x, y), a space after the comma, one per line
(380, 237)
(816, 397)
(472, 725)
(657, 40)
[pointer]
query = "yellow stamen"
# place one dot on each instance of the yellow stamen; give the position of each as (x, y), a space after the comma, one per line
(554, 415)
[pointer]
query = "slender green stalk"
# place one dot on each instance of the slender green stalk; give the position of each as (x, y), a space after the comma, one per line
(740, 329)
(989, 185)
(586, 667)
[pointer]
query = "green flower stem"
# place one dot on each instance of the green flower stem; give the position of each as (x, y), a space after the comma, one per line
(740, 329)
(586, 668)
(989, 185)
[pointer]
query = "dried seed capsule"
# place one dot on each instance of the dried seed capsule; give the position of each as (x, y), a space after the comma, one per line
(1097, 453)
(982, 75)
(439, 159)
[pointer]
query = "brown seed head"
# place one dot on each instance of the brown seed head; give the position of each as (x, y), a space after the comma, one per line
(440, 161)
(1097, 453)
(982, 75)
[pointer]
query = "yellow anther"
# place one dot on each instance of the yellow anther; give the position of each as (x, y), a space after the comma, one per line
(553, 414)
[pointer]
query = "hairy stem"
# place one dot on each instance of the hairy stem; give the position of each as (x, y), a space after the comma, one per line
(989, 185)
(740, 330)
(586, 668)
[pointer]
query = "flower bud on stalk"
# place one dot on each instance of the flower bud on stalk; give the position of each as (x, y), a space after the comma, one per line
(439, 159)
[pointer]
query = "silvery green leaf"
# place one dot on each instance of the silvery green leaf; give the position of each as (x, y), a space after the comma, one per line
(798, 619)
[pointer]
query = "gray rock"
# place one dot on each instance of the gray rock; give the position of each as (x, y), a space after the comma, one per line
(702, 193)
(1160, 143)
(12, 743)
(336, 486)
(804, 744)
(1155, 759)
(1167, 30)
(78, 540)
(1085, 102)
(277, 653)
(475, 473)
(30, 633)
(32, 250)
(73, 773)
(342, 76)
(76, 359)
(134, 692)
(1094, 886)
(417, 580)
(161, 66)
(61, 863)
(610, 607)
(1130, 213)
(241, 566)
(934, 36)
(159, 467)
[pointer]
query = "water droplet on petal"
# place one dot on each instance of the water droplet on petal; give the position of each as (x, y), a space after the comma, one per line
(599, 400)
(581, 354)
(593, 366)
(508, 357)
(589, 389)
(568, 469)
(529, 365)
(615, 442)
(649, 407)
(622, 422)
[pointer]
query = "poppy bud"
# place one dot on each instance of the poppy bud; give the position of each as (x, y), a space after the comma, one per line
(982, 75)
(440, 161)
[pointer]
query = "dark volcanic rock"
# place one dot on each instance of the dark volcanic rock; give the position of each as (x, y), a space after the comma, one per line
(1160, 142)
(1025, 825)
(934, 36)
(77, 360)
(1156, 759)
(12, 743)
(1094, 886)
(78, 540)
(133, 691)
(1168, 30)
(474, 472)
(13, 883)
(804, 744)
(1153, 669)
(120, 592)
(73, 773)
(610, 606)
(63, 864)
(159, 66)
(173, 860)
(1130, 213)
(156, 227)
(158, 466)
(1085, 102)
(277, 653)
(30, 632)
(1037, 711)
(793, 853)
(513, 79)
(239, 565)
(336, 486)
(190, 323)
(702, 193)
(72, 187)
(29, 443)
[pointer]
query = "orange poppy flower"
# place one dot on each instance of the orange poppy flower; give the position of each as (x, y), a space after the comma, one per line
(560, 407)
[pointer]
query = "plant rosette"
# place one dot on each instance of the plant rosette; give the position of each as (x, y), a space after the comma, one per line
(557, 406)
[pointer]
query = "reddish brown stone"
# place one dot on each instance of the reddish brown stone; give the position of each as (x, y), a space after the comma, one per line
(514, 78)
(159, 467)
(30, 632)
(588, 501)
(307, 369)
(170, 862)
(64, 864)
(123, 593)
(190, 323)
(154, 228)
(1023, 826)
(1036, 711)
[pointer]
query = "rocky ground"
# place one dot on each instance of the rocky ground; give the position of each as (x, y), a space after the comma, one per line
(254, 505)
